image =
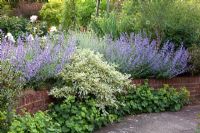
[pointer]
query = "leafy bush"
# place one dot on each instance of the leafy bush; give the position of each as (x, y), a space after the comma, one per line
(88, 75)
(5, 8)
(80, 117)
(14, 25)
(69, 14)
(52, 12)
(37, 28)
(40, 122)
(38, 58)
(85, 11)
(111, 25)
(194, 60)
(11, 84)
(139, 56)
(146, 99)
(168, 20)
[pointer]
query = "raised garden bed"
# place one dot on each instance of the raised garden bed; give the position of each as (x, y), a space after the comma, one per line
(191, 83)
(33, 101)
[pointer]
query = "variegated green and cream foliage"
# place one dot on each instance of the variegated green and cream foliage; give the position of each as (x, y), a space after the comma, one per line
(88, 75)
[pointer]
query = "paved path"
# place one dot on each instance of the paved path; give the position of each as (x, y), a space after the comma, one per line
(184, 121)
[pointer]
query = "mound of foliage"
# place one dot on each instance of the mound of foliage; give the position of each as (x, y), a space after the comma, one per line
(80, 116)
(88, 75)
(146, 99)
(138, 55)
(14, 25)
(40, 122)
(38, 58)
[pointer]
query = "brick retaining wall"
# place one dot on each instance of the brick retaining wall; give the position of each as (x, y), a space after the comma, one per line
(191, 83)
(33, 101)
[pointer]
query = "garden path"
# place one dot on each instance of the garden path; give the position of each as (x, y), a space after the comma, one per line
(184, 121)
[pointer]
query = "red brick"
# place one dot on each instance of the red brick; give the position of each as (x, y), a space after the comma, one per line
(191, 83)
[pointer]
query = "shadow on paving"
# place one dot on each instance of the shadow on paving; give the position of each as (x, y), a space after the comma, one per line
(184, 121)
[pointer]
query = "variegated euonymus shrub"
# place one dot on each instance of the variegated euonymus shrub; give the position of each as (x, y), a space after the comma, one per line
(88, 75)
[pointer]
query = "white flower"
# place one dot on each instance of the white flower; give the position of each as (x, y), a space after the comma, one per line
(10, 37)
(33, 18)
(30, 38)
(53, 29)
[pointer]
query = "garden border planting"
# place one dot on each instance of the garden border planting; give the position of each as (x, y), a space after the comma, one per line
(191, 83)
(33, 101)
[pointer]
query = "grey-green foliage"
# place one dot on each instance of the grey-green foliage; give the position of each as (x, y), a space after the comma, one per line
(89, 75)
(88, 40)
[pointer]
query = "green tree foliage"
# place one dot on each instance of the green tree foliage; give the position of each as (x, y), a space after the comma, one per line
(14, 25)
(5, 8)
(51, 12)
(69, 14)
(166, 20)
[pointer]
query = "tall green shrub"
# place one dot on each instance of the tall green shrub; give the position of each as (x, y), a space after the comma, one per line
(111, 24)
(14, 25)
(5, 8)
(69, 14)
(52, 13)
(168, 20)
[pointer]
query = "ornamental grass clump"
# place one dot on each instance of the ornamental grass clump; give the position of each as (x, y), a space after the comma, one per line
(38, 58)
(88, 75)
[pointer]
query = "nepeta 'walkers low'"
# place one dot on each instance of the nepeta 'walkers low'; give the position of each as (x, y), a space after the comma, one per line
(140, 57)
(37, 58)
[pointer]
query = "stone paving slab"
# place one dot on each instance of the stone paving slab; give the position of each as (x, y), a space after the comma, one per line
(184, 121)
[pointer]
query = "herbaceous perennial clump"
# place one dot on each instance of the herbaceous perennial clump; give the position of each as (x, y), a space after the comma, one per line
(142, 58)
(138, 55)
(38, 58)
